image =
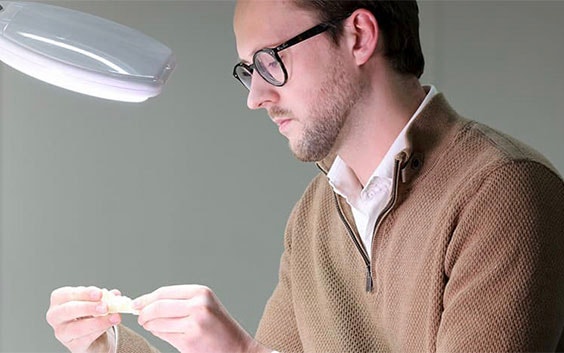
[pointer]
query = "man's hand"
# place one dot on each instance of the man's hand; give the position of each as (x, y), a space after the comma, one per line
(191, 318)
(79, 319)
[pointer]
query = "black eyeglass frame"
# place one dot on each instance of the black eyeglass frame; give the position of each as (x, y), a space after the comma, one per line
(315, 30)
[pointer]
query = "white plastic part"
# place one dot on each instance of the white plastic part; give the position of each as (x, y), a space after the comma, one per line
(82, 52)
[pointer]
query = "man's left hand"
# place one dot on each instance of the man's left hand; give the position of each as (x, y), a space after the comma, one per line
(192, 319)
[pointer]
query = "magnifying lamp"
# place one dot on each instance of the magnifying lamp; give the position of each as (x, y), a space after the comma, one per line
(82, 52)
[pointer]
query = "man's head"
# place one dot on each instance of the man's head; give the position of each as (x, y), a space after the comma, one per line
(328, 76)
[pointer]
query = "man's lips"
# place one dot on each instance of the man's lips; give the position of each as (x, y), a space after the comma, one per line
(282, 123)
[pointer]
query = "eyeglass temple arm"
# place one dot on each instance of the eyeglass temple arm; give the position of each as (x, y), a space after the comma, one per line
(303, 36)
(311, 32)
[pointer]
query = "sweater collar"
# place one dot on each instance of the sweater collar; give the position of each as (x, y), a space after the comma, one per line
(426, 137)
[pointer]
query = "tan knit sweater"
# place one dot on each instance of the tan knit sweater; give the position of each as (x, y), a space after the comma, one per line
(470, 257)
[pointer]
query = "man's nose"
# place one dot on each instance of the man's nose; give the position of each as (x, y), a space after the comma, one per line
(261, 93)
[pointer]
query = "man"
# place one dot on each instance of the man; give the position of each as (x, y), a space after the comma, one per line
(424, 231)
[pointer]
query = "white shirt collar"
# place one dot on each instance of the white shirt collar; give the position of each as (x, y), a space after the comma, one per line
(342, 178)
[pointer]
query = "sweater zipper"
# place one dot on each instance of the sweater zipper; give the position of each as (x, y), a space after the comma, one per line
(395, 182)
(391, 203)
(360, 248)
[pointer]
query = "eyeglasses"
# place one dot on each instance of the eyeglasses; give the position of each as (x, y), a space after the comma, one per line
(269, 64)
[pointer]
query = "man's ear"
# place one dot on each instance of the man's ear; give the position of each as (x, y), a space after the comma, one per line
(362, 34)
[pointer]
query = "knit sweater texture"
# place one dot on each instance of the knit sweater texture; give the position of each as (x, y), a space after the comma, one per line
(468, 258)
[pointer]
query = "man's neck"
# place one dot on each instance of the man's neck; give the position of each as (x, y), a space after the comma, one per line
(377, 123)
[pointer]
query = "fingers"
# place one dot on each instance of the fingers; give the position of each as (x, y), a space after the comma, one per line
(67, 294)
(73, 308)
(78, 317)
(94, 342)
(173, 302)
(69, 311)
(186, 291)
(172, 308)
(178, 325)
(86, 330)
(192, 319)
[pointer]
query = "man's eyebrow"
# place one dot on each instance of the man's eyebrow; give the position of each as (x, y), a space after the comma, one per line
(253, 52)
(244, 61)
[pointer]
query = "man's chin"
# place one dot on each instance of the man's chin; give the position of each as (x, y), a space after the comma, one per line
(307, 156)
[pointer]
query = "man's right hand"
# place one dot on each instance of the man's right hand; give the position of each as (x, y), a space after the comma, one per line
(79, 319)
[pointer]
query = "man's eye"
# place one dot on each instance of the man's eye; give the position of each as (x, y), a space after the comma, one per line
(273, 64)
(269, 63)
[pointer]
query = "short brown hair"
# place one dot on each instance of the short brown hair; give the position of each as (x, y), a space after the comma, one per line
(398, 22)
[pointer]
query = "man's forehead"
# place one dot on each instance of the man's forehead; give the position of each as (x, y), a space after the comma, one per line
(249, 12)
(260, 23)
(265, 4)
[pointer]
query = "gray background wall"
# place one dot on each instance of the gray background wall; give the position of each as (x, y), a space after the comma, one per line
(191, 187)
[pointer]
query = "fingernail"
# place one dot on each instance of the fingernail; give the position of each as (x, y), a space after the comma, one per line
(95, 295)
(115, 319)
(102, 308)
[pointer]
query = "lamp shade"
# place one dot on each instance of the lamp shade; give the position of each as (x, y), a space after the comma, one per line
(82, 52)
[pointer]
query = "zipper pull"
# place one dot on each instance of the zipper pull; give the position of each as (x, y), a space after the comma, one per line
(369, 282)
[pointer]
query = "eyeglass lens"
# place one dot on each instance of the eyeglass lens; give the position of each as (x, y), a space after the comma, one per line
(267, 65)
(244, 75)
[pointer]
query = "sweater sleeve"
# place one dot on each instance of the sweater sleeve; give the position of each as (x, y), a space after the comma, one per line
(131, 342)
(277, 328)
(505, 265)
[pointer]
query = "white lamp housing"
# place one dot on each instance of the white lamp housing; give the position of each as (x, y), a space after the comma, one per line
(82, 52)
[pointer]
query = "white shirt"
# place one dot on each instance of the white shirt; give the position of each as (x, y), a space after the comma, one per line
(368, 202)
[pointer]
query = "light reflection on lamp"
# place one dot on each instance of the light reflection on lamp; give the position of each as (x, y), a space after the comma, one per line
(98, 58)
(82, 52)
